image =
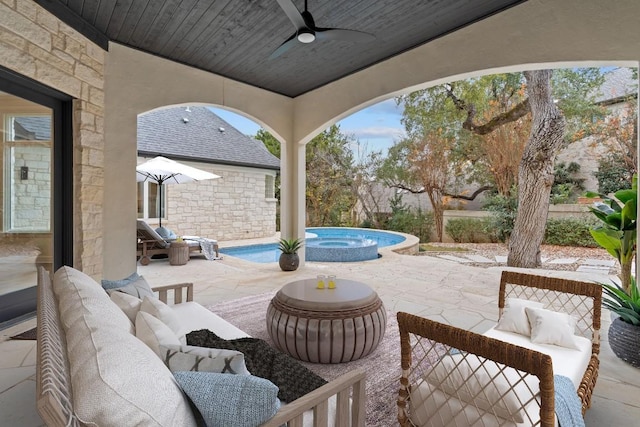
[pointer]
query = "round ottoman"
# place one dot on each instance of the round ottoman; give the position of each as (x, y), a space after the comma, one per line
(326, 325)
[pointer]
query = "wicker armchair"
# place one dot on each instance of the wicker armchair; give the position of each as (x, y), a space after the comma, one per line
(455, 375)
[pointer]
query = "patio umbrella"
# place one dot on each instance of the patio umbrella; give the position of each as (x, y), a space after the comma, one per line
(166, 171)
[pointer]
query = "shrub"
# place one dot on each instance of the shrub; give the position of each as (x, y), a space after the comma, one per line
(503, 214)
(570, 231)
(470, 230)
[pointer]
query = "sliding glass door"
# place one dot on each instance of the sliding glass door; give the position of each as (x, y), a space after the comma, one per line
(32, 192)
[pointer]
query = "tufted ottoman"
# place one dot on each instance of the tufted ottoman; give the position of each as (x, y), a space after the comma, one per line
(326, 325)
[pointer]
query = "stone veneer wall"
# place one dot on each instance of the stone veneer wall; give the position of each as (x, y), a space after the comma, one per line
(36, 44)
(230, 208)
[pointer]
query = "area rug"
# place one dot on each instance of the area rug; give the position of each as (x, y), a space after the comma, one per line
(31, 334)
(382, 366)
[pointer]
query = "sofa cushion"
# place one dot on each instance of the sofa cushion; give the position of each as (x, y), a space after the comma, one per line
(193, 317)
(192, 358)
(129, 304)
(154, 332)
(514, 318)
(230, 400)
(116, 379)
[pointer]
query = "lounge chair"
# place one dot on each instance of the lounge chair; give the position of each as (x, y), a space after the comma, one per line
(151, 243)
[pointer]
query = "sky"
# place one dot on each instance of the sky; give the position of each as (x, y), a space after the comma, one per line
(375, 128)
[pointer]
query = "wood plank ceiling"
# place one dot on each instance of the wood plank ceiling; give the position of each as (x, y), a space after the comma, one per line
(234, 38)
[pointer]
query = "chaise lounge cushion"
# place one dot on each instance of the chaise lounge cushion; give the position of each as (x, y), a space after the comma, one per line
(230, 400)
(116, 379)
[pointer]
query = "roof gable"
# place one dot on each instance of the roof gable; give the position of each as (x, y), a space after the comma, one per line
(197, 133)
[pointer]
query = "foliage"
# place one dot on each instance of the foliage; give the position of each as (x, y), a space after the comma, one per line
(289, 246)
(407, 220)
(273, 145)
(612, 174)
(330, 175)
(617, 232)
(503, 213)
(470, 230)
(625, 304)
(566, 186)
(570, 232)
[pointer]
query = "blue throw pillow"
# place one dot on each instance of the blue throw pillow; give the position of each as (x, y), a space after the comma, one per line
(230, 400)
(135, 285)
(166, 234)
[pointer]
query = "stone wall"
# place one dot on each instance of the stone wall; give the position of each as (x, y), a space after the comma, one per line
(36, 44)
(230, 208)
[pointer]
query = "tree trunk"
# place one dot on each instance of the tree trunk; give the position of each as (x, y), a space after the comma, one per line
(535, 175)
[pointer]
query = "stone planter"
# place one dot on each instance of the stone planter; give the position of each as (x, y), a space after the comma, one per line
(289, 262)
(624, 340)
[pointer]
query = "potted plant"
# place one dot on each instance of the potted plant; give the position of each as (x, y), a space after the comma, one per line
(617, 235)
(289, 259)
(624, 332)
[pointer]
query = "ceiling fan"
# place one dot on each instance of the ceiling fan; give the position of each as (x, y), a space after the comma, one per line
(307, 32)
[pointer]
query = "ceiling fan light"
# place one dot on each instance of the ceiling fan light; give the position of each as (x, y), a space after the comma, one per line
(305, 35)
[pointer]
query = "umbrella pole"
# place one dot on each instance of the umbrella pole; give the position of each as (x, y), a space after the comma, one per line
(160, 208)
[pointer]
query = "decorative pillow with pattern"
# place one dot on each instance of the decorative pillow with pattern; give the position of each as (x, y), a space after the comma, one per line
(192, 358)
(230, 400)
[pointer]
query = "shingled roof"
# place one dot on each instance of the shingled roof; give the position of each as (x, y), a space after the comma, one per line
(618, 86)
(198, 134)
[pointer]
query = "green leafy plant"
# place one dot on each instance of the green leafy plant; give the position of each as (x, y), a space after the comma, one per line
(570, 231)
(470, 230)
(289, 246)
(624, 304)
(617, 232)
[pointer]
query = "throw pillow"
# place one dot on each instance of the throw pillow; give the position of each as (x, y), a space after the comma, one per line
(134, 285)
(166, 234)
(514, 318)
(162, 312)
(191, 358)
(551, 327)
(129, 304)
(230, 400)
(153, 332)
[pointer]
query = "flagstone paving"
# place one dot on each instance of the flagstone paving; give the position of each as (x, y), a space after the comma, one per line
(460, 291)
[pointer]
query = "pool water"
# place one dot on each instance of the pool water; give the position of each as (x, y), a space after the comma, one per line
(269, 252)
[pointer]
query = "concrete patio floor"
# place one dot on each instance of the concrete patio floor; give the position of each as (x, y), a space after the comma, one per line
(442, 290)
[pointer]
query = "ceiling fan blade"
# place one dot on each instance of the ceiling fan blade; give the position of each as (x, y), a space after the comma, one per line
(292, 13)
(288, 44)
(343, 35)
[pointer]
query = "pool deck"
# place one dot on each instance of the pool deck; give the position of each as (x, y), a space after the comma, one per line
(439, 289)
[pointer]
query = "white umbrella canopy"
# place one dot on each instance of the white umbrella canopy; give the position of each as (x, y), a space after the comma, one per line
(166, 171)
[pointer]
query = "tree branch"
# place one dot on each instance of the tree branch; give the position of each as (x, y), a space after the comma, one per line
(472, 196)
(512, 115)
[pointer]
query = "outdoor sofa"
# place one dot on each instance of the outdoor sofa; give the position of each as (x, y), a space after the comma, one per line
(93, 370)
(453, 377)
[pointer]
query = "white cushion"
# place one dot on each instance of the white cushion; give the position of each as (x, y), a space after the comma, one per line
(551, 327)
(129, 304)
(115, 378)
(192, 358)
(473, 379)
(162, 312)
(566, 361)
(193, 317)
(153, 332)
(514, 318)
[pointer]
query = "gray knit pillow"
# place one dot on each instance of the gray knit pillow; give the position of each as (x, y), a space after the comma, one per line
(230, 400)
(192, 358)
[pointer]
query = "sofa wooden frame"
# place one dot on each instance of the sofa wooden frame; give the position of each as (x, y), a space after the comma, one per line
(53, 383)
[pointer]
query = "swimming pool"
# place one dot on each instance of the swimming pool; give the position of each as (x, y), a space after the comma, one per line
(265, 253)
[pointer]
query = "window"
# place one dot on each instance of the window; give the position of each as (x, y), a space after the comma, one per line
(27, 160)
(269, 184)
(149, 201)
